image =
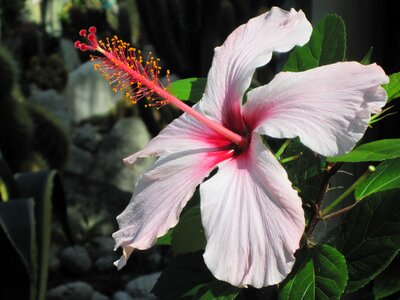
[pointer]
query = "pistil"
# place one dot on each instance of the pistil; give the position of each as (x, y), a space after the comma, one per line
(126, 70)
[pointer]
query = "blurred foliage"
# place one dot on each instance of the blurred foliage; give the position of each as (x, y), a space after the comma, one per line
(185, 32)
(10, 13)
(26, 131)
(48, 72)
(8, 71)
(51, 140)
(25, 230)
(16, 125)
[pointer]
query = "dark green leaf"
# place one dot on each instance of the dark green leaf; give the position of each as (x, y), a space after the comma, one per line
(388, 282)
(188, 235)
(190, 89)
(18, 223)
(327, 45)
(165, 239)
(367, 58)
(393, 87)
(303, 172)
(18, 250)
(369, 237)
(374, 151)
(319, 273)
(188, 278)
(386, 177)
(10, 189)
(46, 189)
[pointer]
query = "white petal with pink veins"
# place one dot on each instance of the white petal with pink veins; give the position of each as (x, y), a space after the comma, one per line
(253, 219)
(247, 48)
(159, 197)
(328, 107)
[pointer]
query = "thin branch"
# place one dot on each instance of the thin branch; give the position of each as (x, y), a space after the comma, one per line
(339, 212)
(327, 175)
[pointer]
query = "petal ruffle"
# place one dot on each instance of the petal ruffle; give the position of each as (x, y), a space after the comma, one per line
(253, 219)
(183, 134)
(159, 197)
(327, 107)
(247, 48)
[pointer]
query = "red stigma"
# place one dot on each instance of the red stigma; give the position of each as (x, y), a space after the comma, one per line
(91, 40)
(82, 32)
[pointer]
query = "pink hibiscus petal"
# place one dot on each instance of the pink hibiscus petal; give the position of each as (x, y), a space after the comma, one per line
(247, 48)
(253, 219)
(183, 134)
(328, 107)
(159, 197)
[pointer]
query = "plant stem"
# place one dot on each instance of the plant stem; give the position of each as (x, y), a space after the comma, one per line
(241, 141)
(282, 148)
(339, 212)
(290, 158)
(326, 176)
(347, 192)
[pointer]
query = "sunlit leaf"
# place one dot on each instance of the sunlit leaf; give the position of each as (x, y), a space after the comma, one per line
(190, 89)
(374, 151)
(327, 45)
(393, 87)
(385, 177)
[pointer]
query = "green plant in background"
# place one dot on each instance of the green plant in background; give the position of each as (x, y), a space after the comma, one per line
(27, 131)
(50, 139)
(10, 13)
(16, 125)
(48, 72)
(175, 27)
(27, 204)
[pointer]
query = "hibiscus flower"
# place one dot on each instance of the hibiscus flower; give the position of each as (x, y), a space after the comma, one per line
(252, 217)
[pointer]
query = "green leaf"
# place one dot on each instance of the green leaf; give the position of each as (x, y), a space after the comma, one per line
(300, 59)
(9, 186)
(393, 87)
(190, 89)
(369, 237)
(18, 249)
(386, 177)
(367, 58)
(303, 172)
(187, 277)
(46, 189)
(374, 151)
(18, 223)
(319, 273)
(327, 45)
(188, 235)
(388, 282)
(166, 239)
